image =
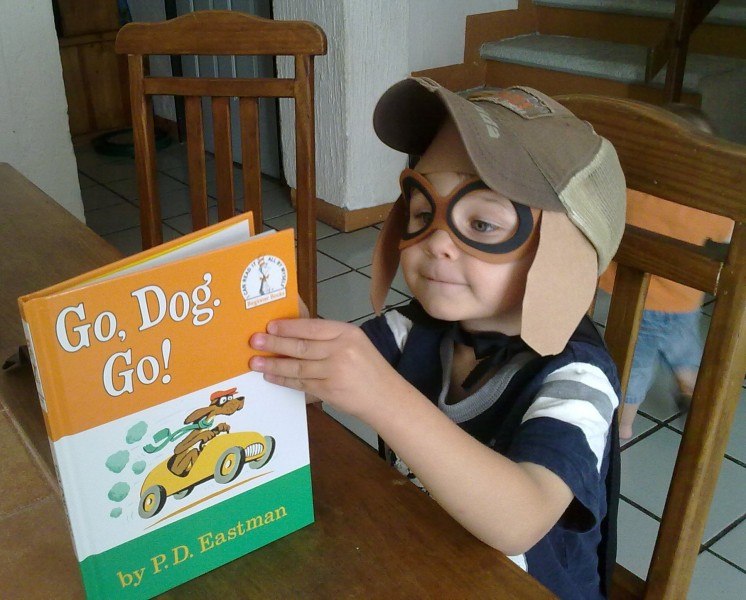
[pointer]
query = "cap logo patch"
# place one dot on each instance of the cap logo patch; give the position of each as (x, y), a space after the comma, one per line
(516, 100)
(427, 82)
(492, 129)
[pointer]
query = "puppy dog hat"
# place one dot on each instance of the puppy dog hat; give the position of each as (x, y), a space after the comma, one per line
(535, 152)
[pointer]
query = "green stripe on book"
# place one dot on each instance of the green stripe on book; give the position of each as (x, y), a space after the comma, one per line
(158, 561)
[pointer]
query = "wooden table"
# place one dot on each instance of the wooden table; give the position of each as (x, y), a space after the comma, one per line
(375, 534)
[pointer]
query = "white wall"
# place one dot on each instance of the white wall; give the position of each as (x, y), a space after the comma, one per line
(371, 45)
(353, 169)
(34, 129)
(437, 29)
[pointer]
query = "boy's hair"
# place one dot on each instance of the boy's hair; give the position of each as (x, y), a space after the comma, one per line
(535, 152)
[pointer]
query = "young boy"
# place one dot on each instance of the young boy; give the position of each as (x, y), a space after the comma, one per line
(492, 388)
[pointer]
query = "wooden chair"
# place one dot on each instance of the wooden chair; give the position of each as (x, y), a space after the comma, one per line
(662, 155)
(226, 33)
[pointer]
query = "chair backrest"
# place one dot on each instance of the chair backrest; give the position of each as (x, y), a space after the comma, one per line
(226, 33)
(661, 154)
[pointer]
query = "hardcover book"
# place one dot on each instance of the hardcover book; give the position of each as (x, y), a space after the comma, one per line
(173, 457)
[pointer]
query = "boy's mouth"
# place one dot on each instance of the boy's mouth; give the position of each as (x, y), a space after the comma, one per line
(437, 278)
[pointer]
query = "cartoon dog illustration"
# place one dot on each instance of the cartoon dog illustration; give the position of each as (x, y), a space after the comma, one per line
(222, 402)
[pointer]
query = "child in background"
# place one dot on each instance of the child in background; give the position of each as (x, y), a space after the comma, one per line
(670, 326)
(492, 388)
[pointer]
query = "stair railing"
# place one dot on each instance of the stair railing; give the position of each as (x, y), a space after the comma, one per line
(673, 48)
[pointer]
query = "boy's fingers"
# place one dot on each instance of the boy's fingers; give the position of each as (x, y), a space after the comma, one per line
(288, 367)
(289, 346)
(311, 329)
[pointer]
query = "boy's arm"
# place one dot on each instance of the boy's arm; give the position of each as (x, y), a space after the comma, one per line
(508, 505)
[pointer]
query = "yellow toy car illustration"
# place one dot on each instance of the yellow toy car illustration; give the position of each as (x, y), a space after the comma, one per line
(221, 459)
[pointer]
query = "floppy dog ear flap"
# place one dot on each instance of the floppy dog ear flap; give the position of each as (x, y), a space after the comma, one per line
(560, 285)
(386, 254)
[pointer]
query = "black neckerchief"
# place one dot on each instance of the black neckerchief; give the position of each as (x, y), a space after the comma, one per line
(491, 348)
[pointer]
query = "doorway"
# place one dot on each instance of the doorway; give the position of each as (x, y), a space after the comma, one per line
(236, 66)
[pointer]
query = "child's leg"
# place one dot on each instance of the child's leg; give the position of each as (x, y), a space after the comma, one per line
(683, 353)
(626, 420)
(641, 373)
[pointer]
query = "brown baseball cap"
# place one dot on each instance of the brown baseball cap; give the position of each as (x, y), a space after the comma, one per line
(534, 151)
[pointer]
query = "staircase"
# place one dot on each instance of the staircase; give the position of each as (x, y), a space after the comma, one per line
(601, 47)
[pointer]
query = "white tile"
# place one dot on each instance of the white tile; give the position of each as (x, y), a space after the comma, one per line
(288, 221)
(129, 241)
(275, 199)
(636, 533)
(732, 545)
(346, 297)
(646, 472)
(85, 181)
(88, 160)
(97, 196)
(327, 267)
(175, 202)
(354, 248)
(113, 218)
(737, 440)
(715, 579)
(128, 187)
(707, 305)
(178, 168)
(171, 157)
(183, 223)
(111, 171)
(641, 425)
(212, 188)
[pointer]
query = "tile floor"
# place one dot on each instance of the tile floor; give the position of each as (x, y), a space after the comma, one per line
(110, 200)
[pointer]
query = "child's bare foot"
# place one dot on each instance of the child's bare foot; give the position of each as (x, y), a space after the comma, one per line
(629, 412)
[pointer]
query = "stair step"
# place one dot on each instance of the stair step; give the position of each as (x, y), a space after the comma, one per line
(596, 58)
(726, 12)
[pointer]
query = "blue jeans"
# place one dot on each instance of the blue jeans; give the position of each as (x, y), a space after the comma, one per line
(672, 337)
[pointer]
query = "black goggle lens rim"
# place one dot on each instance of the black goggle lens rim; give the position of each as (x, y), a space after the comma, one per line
(523, 212)
(406, 189)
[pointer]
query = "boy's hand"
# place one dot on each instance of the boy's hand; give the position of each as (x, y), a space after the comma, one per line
(330, 360)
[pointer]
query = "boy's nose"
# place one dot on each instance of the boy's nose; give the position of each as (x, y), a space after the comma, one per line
(440, 244)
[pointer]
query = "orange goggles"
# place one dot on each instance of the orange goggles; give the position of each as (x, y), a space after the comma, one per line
(480, 222)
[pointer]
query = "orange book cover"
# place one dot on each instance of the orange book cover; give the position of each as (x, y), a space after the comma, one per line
(173, 456)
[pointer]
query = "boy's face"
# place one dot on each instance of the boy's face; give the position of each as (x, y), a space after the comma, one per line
(454, 285)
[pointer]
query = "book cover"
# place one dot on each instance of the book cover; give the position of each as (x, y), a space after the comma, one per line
(173, 457)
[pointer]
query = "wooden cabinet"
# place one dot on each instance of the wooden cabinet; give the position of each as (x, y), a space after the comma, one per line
(95, 77)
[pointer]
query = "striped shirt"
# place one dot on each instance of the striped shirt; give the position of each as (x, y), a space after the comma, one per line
(555, 412)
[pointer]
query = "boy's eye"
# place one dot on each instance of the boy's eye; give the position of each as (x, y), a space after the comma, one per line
(424, 216)
(484, 217)
(483, 226)
(420, 213)
(419, 220)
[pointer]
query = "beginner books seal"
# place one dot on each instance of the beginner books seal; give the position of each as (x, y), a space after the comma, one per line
(172, 456)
